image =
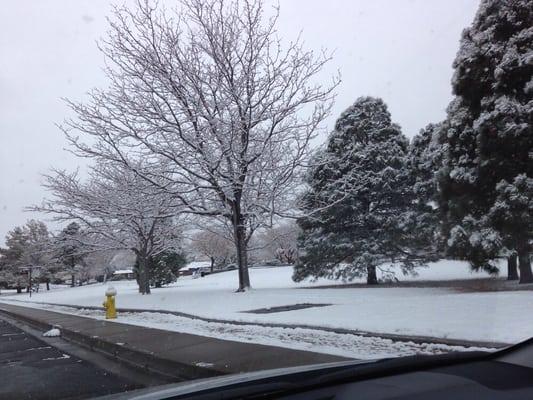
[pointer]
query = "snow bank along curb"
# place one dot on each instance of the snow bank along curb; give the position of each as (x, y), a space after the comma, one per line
(141, 360)
(54, 332)
(395, 337)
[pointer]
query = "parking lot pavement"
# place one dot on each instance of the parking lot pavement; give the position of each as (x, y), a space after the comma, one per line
(33, 369)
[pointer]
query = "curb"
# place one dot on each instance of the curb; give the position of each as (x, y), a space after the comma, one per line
(418, 339)
(140, 360)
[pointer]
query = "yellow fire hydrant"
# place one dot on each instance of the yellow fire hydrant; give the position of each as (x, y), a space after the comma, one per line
(109, 303)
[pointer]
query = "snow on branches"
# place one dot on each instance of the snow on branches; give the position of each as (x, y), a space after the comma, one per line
(360, 209)
(117, 210)
(212, 96)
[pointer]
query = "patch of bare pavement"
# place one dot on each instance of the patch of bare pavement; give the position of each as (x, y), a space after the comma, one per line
(459, 285)
(31, 368)
(290, 307)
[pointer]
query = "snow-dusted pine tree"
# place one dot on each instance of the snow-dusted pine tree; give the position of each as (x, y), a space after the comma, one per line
(26, 246)
(38, 251)
(488, 136)
(512, 216)
(163, 268)
(359, 208)
(425, 156)
(70, 250)
(11, 259)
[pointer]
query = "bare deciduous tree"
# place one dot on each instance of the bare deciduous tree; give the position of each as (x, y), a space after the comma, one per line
(214, 245)
(98, 264)
(117, 210)
(281, 242)
(209, 96)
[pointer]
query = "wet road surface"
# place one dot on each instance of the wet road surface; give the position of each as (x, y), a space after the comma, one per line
(32, 369)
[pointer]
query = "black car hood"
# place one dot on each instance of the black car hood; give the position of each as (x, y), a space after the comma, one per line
(200, 385)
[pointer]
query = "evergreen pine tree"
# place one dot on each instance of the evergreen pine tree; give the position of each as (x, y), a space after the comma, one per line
(164, 268)
(12, 259)
(26, 246)
(512, 216)
(70, 250)
(488, 136)
(37, 252)
(425, 156)
(359, 206)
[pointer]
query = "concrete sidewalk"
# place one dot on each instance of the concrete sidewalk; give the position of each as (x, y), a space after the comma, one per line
(175, 355)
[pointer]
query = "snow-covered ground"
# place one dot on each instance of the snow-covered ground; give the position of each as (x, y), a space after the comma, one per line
(438, 312)
(342, 344)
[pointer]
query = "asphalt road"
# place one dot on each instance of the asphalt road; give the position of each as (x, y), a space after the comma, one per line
(30, 368)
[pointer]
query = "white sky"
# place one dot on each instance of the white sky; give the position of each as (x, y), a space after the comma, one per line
(400, 50)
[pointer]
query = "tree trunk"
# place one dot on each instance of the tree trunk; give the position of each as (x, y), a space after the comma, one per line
(147, 269)
(144, 283)
(72, 280)
(48, 284)
(242, 256)
(524, 264)
(212, 264)
(19, 289)
(371, 278)
(147, 289)
(138, 275)
(512, 268)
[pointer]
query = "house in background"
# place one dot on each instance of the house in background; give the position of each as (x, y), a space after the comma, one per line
(123, 275)
(195, 266)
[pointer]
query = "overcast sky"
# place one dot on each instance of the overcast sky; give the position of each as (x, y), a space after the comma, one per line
(400, 50)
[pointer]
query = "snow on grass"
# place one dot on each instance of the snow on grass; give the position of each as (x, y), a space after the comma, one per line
(436, 312)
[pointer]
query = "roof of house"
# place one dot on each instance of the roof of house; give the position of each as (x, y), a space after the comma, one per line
(123, 272)
(195, 265)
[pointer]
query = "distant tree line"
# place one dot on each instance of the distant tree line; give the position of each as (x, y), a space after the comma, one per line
(71, 257)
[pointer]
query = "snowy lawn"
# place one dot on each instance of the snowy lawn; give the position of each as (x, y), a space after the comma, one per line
(438, 312)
